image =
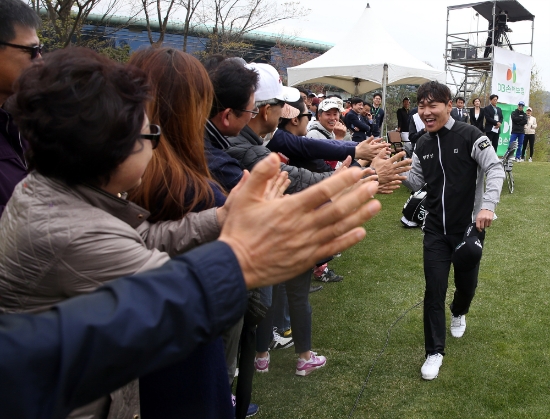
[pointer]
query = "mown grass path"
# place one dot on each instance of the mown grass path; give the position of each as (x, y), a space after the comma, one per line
(499, 369)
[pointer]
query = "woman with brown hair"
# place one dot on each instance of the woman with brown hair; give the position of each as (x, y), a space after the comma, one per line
(176, 182)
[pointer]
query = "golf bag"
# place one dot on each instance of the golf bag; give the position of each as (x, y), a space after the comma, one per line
(413, 210)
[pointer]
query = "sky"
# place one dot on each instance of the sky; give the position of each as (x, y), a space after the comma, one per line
(417, 25)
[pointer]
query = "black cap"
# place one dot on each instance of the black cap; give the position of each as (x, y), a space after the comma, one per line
(468, 252)
(405, 98)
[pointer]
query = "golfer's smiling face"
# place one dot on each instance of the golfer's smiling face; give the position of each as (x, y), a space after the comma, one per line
(434, 114)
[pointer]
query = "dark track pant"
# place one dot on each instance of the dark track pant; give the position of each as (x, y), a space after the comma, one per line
(493, 136)
(529, 139)
(438, 249)
(297, 291)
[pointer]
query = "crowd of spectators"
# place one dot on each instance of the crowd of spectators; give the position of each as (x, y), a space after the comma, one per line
(143, 231)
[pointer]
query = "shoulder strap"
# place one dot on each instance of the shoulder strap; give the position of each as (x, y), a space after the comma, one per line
(322, 132)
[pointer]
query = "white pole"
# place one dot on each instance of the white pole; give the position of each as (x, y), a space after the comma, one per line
(384, 85)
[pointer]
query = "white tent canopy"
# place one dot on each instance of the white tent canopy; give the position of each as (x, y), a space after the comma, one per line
(358, 66)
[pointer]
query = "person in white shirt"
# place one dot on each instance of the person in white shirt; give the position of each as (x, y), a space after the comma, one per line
(530, 128)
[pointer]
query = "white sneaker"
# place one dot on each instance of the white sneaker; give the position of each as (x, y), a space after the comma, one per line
(530, 160)
(494, 216)
(458, 325)
(512, 159)
(430, 369)
(280, 342)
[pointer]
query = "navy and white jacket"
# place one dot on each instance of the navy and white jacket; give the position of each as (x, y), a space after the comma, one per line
(453, 162)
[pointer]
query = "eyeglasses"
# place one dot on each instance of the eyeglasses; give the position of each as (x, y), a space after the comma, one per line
(154, 136)
(307, 115)
(254, 111)
(34, 51)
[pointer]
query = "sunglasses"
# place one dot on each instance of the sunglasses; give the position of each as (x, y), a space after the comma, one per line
(307, 115)
(154, 136)
(34, 51)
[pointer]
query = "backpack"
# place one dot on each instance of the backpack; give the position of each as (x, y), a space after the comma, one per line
(414, 212)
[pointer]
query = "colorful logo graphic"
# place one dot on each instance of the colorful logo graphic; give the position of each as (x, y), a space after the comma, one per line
(511, 73)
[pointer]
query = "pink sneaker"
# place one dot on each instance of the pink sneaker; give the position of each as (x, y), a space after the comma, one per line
(262, 364)
(304, 367)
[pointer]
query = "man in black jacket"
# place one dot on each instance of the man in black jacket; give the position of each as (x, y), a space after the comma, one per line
(452, 159)
(403, 118)
(459, 113)
(377, 114)
(519, 120)
(360, 128)
(403, 125)
(493, 121)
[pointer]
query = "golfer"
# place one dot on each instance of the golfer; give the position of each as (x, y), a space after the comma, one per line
(452, 159)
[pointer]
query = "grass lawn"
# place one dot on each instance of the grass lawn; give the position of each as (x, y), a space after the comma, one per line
(499, 369)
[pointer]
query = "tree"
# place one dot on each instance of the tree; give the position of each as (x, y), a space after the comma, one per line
(190, 7)
(66, 17)
(229, 20)
(284, 56)
(161, 7)
(537, 99)
(63, 22)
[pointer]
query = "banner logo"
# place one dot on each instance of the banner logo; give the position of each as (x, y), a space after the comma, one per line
(511, 73)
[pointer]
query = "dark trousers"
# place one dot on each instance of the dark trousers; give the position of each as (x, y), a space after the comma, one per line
(438, 249)
(529, 138)
(493, 136)
(297, 291)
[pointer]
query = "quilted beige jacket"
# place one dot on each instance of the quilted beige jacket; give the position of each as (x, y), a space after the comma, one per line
(58, 241)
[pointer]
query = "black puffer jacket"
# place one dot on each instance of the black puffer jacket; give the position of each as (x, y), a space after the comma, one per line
(248, 149)
(519, 119)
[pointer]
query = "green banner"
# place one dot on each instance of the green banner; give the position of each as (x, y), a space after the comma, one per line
(505, 128)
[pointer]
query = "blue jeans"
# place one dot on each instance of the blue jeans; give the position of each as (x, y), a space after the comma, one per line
(281, 315)
(297, 290)
(519, 137)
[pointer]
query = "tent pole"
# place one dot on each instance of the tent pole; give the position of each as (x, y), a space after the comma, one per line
(384, 85)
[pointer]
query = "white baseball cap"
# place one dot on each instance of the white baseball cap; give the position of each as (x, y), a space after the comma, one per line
(270, 85)
(332, 103)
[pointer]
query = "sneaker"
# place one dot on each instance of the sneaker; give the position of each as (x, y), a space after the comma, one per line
(252, 410)
(286, 333)
(494, 216)
(530, 160)
(262, 364)
(430, 369)
(252, 407)
(280, 342)
(315, 288)
(337, 255)
(519, 160)
(329, 276)
(512, 159)
(458, 326)
(304, 367)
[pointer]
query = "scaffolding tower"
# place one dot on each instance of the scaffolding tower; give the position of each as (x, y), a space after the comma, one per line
(469, 53)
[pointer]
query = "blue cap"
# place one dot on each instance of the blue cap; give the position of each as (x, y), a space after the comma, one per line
(522, 103)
